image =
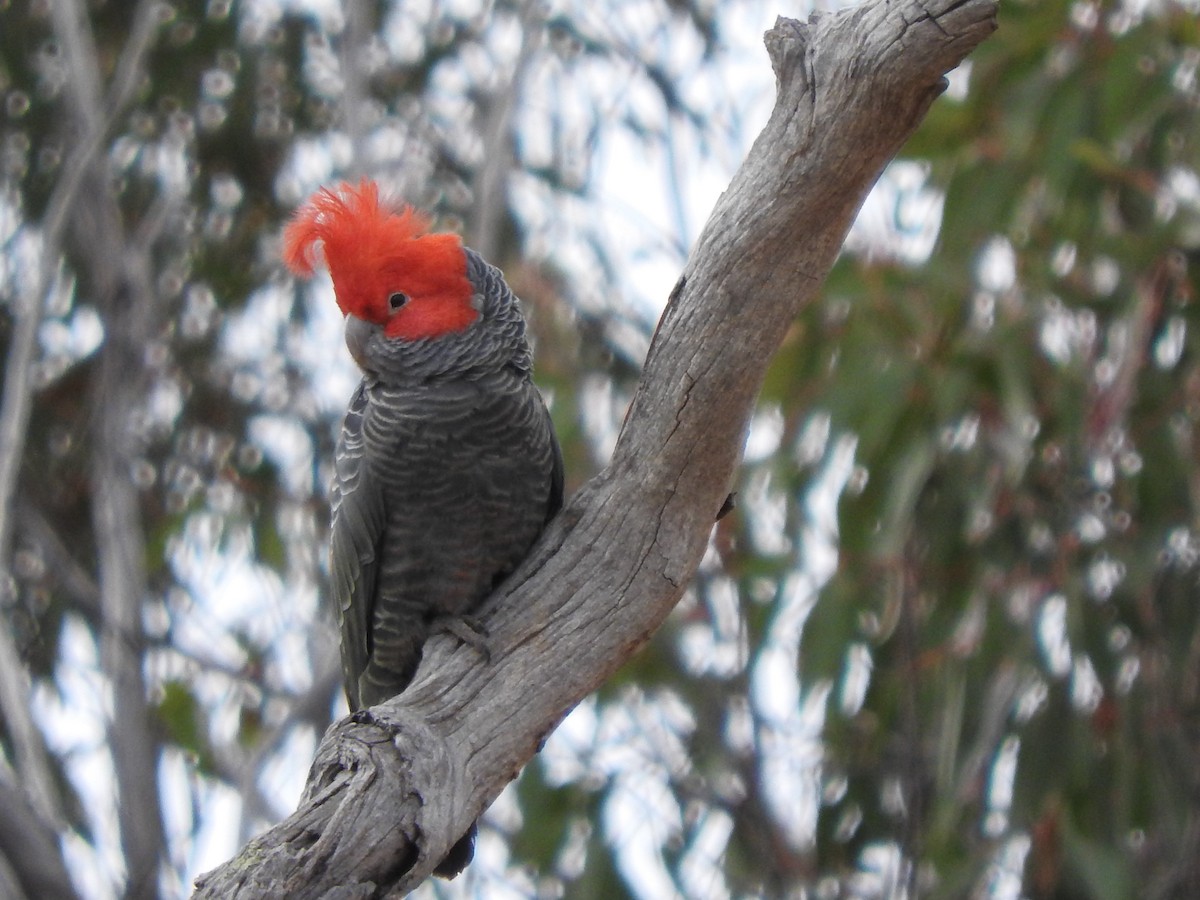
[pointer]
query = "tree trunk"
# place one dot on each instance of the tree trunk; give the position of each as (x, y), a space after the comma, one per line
(391, 790)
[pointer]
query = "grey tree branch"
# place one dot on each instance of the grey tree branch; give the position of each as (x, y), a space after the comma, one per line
(29, 845)
(122, 280)
(29, 751)
(93, 120)
(389, 792)
(119, 274)
(491, 180)
(354, 53)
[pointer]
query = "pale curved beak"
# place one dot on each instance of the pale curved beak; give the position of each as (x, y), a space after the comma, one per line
(358, 333)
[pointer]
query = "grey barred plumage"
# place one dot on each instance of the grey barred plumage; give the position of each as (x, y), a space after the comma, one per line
(445, 475)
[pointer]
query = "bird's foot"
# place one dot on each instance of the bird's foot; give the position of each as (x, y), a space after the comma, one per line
(369, 716)
(468, 629)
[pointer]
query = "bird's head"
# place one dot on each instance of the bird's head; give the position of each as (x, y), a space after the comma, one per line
(387, 268)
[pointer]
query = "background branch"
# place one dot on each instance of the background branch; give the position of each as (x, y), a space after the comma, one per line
(94, 116)
(29, 845)
(119, 272)
(483, 228)
(387, 796)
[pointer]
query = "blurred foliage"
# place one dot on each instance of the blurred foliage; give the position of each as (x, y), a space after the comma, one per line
(1017, 545)
(994, 689)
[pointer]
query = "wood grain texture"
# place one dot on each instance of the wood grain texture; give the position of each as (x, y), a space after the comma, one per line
(388, 795)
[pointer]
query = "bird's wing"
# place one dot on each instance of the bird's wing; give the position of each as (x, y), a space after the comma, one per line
(555, 501)
(359, 520)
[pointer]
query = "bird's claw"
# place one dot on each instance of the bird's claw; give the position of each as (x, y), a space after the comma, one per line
(368, 716)
(468, 629)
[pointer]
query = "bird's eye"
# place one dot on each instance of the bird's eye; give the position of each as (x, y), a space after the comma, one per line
(397, 300)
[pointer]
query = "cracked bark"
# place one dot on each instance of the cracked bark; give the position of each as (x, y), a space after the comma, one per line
(388, 794)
